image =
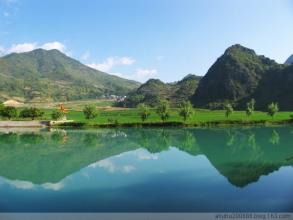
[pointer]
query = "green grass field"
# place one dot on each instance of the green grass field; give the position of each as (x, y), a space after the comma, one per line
(76, 105)
(108, 115)
(131, 116)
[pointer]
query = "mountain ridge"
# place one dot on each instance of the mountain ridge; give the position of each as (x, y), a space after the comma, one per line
(50, 74)
(154, 90)
(239, 75)
(289, 61)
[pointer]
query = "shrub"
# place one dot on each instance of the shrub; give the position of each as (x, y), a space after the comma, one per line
(273, 108)
(90, 111)
(228, 109)
(31, 113)
(57, 115)
(144, 111)
(1, 109)
(186, 110)
(250, 107)
(163, 110)
(9, 112)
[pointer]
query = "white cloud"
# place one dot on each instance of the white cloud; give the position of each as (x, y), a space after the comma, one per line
(146, 73)
(141, 154)
(26, 47)
(54, 45)
(125, 61)
(85, 56)
(111, 62)
(108, 165)
(22, 184)
(147, 156)
(20, 48)
(2, 50)
(53, 186)
(140, 75)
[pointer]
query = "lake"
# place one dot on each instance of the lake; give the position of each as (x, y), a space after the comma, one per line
(147, 170)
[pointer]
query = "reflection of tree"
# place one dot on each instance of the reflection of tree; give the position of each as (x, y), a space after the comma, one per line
(31, 138)
(157, 140)
(188, 143)
(90, 139)
(231, 138)
(275, 138)
(59, 136)
(8, 138)
(251, 140)
(44, 161)
(247, 155)
(243, 160)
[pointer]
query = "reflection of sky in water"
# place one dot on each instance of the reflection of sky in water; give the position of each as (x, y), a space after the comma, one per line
(169, 180)
(123, 169)
(165, 177)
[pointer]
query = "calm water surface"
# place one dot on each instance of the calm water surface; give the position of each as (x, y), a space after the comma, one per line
(147, 170)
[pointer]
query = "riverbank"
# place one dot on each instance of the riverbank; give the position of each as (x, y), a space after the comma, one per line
(131, 118)
(174, 124)
(32, 124)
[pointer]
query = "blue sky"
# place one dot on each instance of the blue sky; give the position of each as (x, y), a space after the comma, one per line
(142, 39)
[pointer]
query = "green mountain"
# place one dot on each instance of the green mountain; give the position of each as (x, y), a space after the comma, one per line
(51, 75)
(289, 60)
(239, 75)
(155, 90)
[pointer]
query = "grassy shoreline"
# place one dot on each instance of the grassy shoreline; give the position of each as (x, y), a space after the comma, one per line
(176, 124)
(111, 118)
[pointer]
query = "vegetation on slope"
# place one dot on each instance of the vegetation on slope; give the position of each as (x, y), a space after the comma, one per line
(51, 75)
(154, 90)
(234, 76)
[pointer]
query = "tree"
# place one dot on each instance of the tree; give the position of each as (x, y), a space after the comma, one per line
(144, 111)
(90, 111)
(186, 110)
(228, 109)
(163, 110)
(273, 108)
(57, 115)
(31, 113)
(1, 109)
(9, 112)
(250, 107)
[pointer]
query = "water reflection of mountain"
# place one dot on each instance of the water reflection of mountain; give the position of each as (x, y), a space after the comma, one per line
(50, 156)
(241, 155)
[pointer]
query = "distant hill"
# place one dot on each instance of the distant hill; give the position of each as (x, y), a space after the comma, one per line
(155, 90)
(289, 61)
(239, 75)
(51, 75)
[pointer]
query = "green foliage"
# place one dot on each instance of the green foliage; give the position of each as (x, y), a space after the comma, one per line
(9, 112)
(163, 110)
(186, 110)
(1, 108)
(273, 108)
(155, 90)
(90, 111)
(250, 107)
(31, 113)
(228, 110)
(51, 75)
(57, 115)
(237, 75)
(144, 111)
